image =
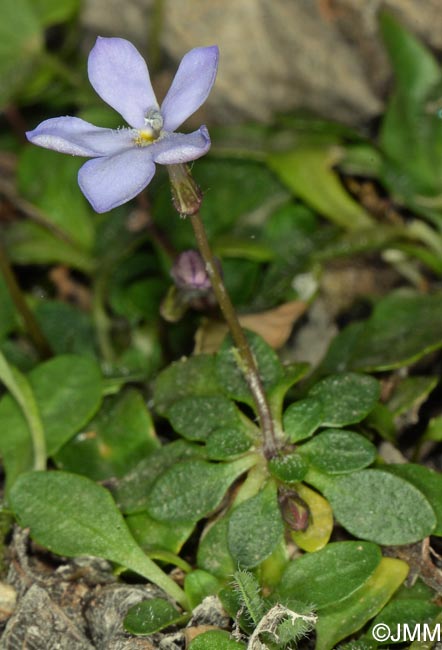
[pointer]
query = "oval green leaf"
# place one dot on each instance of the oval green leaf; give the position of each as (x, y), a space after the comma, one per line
(426, 481)
(226, 443)
(288, 467)
(302, 418)
(195, 417)
(255, 528)
(71, 515)
(329, 575)
(184, 378)
(351, 614)
(378, 506)
(132, 492)
(150, 616)
(335, 451)
(120, 434)
(213, 551)
(192, 489)
(199, 584)
(346, 398)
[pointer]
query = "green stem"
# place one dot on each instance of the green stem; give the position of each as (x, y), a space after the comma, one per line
(101, 319)
(21, 391)
(30, 322)
(139, 562)
(248, 364)
(186, 198)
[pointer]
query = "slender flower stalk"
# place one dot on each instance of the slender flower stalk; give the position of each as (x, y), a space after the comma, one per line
(187, 199)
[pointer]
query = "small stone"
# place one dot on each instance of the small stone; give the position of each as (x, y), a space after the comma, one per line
(8, 601)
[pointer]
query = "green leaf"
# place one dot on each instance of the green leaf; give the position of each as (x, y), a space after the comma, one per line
(152, 535)
(402, 329)
(338, 452)
(229, 370)
(307, 171)
(21, 43)
(288, 467)
(411, 135)
(185, 378)
(213, 551)
(415, 68)
(190, 490)
(199, 584)
(346, 398)
(132, 491)
(426, 481)
(150, 616)
(227, 443)
(292, 374)
(255, 528)
(70, 330)
(30, 243)
(351, 614)
(410, 393)
(70, 515)
(302, 418)
(381, 507)
(116, 439)
(196, 417)
(412, 612)
(49, 180)
(67, 391)
(215, 640)
(330, 575)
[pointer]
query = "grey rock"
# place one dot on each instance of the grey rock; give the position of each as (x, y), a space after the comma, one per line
(39, 624)
(278, 55)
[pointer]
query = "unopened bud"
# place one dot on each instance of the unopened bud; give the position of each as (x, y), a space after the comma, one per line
(189, 272)
(294, 510)
(186, 193)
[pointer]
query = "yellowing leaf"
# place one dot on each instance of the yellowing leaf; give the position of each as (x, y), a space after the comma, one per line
(318, 533)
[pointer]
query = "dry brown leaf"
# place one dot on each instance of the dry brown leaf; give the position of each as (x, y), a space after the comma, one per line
(274, 325)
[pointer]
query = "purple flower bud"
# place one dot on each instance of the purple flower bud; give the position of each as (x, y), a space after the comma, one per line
(294, 510)
(189, 272)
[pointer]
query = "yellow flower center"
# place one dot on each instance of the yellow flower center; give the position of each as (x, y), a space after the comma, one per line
(152, 130)
(144, 137)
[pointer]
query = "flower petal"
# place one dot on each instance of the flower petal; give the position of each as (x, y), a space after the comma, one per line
(79, 138)
(192, 84)
(180, 147)
(120, 76)
(109, 182)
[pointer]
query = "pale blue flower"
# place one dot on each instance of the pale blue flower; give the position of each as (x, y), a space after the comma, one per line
(123, 161)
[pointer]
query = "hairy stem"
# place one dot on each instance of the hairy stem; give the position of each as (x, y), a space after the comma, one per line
(248, 364)
(187, 197)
